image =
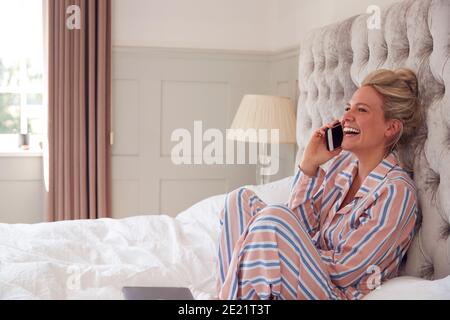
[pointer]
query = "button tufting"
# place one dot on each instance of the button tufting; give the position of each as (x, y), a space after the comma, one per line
(366, 56)
(339, 91)
(336, 65)
(332, 64)
(433, 181)
(430, 46)
(314, 92)
(407, 51)
(427, 271)
(445, 232)
(438, 91)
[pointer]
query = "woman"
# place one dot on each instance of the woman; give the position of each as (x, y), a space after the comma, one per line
(343, 231)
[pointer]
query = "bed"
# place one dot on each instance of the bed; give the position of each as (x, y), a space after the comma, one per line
(95, 259)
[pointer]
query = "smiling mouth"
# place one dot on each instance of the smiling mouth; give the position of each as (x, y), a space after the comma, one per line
(351, 132)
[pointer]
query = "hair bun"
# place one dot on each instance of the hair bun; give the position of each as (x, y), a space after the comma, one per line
(410, 78)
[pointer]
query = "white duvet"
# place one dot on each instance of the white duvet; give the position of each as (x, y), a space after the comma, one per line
(90, 259)
(94, 259)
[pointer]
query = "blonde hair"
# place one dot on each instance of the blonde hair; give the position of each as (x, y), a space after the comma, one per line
(400, 91)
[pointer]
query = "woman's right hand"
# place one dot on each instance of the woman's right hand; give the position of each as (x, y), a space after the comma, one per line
(316, 152)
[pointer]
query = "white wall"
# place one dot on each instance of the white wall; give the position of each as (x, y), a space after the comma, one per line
(201, 24)
(261, 25)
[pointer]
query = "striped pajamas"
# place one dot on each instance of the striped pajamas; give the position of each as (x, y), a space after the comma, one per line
(310, 248)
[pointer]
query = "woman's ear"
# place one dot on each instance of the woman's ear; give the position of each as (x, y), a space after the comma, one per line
(394, 126)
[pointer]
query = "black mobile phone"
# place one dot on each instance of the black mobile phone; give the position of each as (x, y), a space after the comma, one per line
(334, 137)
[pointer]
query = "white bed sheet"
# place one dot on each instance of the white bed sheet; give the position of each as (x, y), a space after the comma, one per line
(94, 259)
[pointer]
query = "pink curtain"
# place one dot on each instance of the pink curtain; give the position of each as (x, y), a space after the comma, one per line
(79, 106)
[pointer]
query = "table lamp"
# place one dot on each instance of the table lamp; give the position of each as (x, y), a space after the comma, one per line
(264, 113)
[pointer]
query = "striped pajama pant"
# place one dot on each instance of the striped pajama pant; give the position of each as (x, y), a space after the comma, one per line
(265, 253)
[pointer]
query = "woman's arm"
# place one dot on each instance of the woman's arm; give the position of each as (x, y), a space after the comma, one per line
(306, 198)
(307, 189)
(386, 226)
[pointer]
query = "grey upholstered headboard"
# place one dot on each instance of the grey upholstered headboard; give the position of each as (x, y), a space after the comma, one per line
(333, 62)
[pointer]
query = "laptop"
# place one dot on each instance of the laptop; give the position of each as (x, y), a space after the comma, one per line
(157, 293)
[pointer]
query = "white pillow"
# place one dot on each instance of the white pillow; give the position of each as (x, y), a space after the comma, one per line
(411, 288)
(276, 192)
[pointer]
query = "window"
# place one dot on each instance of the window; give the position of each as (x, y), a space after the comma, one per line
(22, 109)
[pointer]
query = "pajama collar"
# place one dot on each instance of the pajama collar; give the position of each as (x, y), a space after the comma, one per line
(345, 178)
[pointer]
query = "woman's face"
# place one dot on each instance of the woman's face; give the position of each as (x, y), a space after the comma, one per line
(365, 128)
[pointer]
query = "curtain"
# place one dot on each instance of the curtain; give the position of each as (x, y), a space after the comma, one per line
(79, 108)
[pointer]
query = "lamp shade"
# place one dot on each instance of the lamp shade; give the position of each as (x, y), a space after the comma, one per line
(264, 112)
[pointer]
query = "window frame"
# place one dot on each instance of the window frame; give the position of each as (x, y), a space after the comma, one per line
(9, 142)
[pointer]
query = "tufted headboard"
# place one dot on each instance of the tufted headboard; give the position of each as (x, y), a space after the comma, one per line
(333, 62)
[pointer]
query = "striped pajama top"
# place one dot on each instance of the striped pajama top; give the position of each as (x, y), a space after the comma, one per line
(369, 236)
